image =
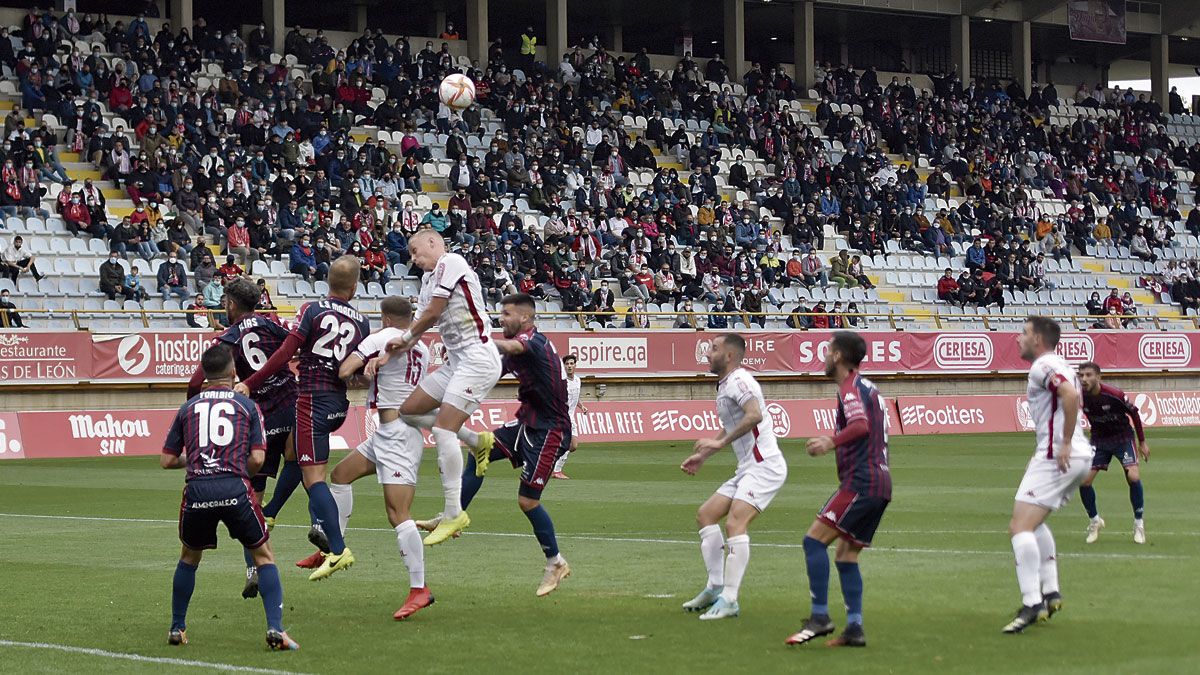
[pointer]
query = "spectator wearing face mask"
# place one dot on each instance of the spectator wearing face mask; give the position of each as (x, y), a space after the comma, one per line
(303, 261)
(9, 318)
(112, 278)
(172, 279)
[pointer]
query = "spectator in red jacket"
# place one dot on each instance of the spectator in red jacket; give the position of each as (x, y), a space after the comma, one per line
(375, 264)
(947, 288)
(230, 269)
(77, 216)
(1113, 301)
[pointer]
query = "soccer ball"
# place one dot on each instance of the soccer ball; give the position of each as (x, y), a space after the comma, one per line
(457, 91)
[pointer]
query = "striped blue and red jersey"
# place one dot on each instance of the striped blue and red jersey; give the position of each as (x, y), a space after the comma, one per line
(253, 340)
(1113, 417)
(542, 391)
(329, 331)
(863, 464)
(218, 429)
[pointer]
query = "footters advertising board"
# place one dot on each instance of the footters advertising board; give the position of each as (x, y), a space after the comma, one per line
(127, 432)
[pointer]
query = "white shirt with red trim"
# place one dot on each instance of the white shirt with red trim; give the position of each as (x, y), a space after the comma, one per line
(1048, 372)
(733, 392)
(396, 380)
(464, 324)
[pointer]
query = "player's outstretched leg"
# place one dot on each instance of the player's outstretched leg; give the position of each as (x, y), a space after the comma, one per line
(250, 590)
(326, 511)
(182, 587)
(1087, 495)
(290, 477)
(557, 568)
(412, 551)
(816, 559)
(450, 463)
(271, 589)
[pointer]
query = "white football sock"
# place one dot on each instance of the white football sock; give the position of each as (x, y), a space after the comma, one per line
(469, 437)
(412, 549)
(1048, 553)
(1025, 548)
(343, 496)
(561, 462)
(450, 463)
(735, 565)
(712, 549)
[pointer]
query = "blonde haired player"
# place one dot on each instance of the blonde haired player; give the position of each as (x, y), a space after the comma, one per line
(574, 387)
(451, 299)
(761, 472)
(1061, 460)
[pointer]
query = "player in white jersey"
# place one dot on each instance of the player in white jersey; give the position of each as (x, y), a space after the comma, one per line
(451, 299)
(1060, 461)
(393, 452)
(761, 472)
(574, 386)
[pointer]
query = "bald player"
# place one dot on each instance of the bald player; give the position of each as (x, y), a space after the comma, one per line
(451, 299)
(326, 332)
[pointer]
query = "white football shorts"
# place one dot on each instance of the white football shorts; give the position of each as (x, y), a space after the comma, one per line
(466, 379)
(1044, 485)
(756, 484)
(395, 449)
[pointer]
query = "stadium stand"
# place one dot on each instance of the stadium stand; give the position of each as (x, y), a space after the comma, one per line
(669, 186)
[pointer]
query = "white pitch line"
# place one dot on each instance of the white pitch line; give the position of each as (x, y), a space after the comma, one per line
(638, 540)
(225, 667)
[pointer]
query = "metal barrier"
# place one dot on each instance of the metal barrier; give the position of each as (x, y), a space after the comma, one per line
(699, 320)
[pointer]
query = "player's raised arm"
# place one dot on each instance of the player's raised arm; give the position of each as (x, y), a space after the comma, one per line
(511, 347)
(429, 317)
(278, 361)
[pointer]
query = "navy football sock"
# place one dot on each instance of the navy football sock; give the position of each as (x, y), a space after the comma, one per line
(290, 478)
(543, 529)
(817, 560)
(249, 558)
(852, 590)
(470, 482)
(271, 590)
(324, 509)
(181, 594)
(1137, 498)
(1087, 495)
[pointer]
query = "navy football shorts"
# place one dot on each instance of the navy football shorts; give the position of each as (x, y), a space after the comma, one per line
(534, 452)
(278, 425)
(207, 502)
(854, 515)
(318, 416)
(1122, 450)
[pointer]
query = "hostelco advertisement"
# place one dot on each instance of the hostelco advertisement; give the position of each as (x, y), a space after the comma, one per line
(29, 357)
(126, 432)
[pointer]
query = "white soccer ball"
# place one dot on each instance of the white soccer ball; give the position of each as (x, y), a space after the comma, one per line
(457, 91)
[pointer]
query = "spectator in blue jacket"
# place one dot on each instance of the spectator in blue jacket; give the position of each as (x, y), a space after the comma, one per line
(397, 245)
(303, 261)
(976, 257)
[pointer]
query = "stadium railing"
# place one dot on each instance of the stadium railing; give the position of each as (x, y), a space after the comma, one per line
(82, 319)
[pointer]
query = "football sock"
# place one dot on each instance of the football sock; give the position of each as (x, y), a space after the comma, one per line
(413, 552)
(470, 482)
(561, 462)
(735, 566)
(712, 549)
(271, 590)
(543, 529)
(181, 593)
(325, 510)
(816, 559)
(1025, 548)
(343, 496)
(469, 437)
(290, 478)
(1087, 495)
(1048, 552)
(249, 558)
(1137, 498)
(852, 590)
(450, 462)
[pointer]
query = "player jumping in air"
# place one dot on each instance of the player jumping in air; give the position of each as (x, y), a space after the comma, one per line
(853, 513)
(1115, 421)
(251, 337)
(393, 453)
(218, 435)
(540, 434)
(1059, 463)
(326, 333)
(452, 300)
(574, 385)
(761, 472)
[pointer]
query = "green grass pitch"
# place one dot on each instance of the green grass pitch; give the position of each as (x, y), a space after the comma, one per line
(94, 570)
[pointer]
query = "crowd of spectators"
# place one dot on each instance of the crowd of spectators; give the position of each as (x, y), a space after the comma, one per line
(261, 163)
